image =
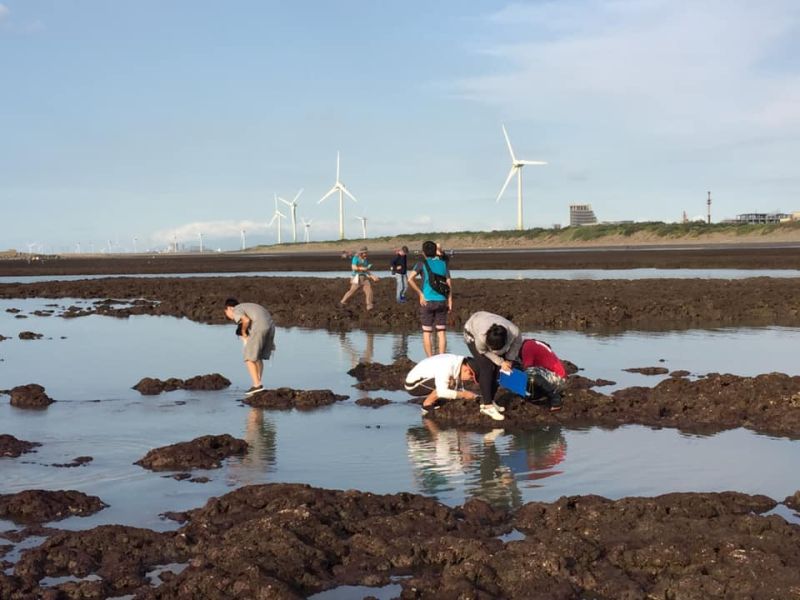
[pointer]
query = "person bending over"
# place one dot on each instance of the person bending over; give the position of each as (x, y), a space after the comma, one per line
(547, 376)
(441, 377)
(495, 343)
(255, 325)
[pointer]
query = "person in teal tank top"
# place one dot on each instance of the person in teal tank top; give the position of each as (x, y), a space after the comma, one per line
(433, 305)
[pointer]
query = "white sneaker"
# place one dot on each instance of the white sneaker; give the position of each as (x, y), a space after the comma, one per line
(499, 408)
(490, 411)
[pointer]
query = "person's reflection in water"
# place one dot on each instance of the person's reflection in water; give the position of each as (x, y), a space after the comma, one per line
(355, 358)
(400, 346)
(260, 434)
(439, 457)
(532, 455)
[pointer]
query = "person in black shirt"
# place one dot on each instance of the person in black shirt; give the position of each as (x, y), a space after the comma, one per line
(399, 268)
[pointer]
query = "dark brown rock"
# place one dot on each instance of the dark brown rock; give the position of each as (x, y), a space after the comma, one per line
(149, 386)
(767, 404)
(206, 452)
(3, 338)
(648, 370)
(373, 402)
(376, 376)
(30, 396)
(793, 501)
(679, 373)
(76, 462)
(12, 447)
(579, 382)
(41, 506)
(30, 335)
(286, 398)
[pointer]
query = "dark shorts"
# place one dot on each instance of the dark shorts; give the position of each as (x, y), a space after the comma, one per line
(433, 314)
(421, 387)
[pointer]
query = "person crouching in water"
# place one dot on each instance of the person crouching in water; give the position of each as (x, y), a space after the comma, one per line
(495, 343)
(255, 325)
(547, 376)
(441, 377)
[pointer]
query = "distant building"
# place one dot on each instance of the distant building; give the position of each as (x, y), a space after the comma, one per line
(762, 218)
(581, 214)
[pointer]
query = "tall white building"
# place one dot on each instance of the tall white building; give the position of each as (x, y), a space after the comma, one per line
(581, 214)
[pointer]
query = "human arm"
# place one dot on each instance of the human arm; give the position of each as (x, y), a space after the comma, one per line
(412, 283)
(245, 323)
(450, 295)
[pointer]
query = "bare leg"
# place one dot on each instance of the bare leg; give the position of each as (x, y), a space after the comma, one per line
(259, 369)
(349, 293)
(441, 334)
(426, 342)
(252, 369)
(368, 294)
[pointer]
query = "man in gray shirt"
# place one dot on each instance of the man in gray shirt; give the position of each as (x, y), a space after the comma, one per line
(258, 334)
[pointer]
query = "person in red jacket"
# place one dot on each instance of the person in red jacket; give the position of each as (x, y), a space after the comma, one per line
(546, 374)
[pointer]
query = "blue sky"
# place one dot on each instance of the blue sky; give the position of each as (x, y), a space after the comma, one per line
(158, 120)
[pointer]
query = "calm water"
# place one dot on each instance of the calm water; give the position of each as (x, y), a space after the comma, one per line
(346, 446)
(593, 274)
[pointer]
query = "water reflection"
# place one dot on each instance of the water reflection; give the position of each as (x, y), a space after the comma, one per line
(491, 466)
(261, 435)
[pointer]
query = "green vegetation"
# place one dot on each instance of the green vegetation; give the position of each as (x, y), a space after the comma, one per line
(694, 231)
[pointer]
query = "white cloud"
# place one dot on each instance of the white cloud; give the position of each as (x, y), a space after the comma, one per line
(665, 68)
(190, 232)
(4, 11)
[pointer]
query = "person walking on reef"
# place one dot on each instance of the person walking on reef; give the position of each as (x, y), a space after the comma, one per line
(547, 376)
(441, 377)
(435, 297)
(360, 277)
(399, 268)
(257, 329)
(495, 342)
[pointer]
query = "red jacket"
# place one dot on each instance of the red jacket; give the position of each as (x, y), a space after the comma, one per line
(538, 354)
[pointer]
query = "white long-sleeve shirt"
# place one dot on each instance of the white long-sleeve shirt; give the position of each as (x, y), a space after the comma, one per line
(444, 369)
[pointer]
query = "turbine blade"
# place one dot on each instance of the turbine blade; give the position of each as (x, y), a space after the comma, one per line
(505, 185)
(286, 202)
(508, 141)
(273, 220)
(297, 196)
(337, 165)
(531, 162)
(330, 191)
(349, 195)
(280, 214)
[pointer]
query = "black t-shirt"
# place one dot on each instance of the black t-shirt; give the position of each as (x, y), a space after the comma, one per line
(400, 264)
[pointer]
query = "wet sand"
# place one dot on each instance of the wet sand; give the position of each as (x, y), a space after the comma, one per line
(736, 256)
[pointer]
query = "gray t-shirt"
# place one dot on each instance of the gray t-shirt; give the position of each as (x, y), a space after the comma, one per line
(262, 320)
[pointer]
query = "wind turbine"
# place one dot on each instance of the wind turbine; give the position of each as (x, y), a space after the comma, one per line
(200, 235)
(363, 226)
(244, 239)
(293, 205)
(516, 167)
(307, 225)
(339, 187)
(277, 215)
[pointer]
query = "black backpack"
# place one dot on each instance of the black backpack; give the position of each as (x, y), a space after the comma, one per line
(437, 282)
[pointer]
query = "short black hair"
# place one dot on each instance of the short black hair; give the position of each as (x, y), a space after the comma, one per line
(496, 337)
(231, 302)
(429, 249)
(472, 363)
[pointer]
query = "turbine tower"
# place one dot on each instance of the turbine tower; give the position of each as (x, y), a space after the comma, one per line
(516, 168)
(244, 239)
(293, 206)
(363, 226)
(307, 225)
(339, 187)
(200, 235)
(278, 215)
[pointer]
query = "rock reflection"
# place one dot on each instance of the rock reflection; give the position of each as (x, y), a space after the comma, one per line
(491, 466)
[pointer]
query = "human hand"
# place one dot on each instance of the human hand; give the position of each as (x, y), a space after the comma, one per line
(506, 366)
(422, 301)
